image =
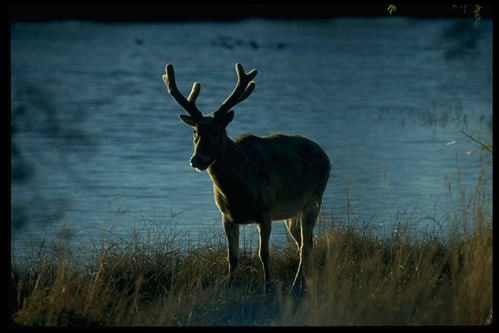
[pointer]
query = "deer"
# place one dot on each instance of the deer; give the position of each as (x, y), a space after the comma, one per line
(256, 180)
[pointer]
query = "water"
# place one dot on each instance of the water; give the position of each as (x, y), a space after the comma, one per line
(96, 139)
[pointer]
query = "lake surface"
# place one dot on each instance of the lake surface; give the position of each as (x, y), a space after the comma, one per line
(96, 139)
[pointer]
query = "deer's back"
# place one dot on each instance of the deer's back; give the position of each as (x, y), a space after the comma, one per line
(285, 157)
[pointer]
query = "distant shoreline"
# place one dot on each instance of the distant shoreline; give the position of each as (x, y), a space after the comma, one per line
(127, 13)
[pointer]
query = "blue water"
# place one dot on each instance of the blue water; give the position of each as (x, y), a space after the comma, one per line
(96, 139)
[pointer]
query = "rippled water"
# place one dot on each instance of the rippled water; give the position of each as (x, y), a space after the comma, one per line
(96, 139)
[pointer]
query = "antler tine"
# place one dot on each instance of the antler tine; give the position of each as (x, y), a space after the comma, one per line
(243, 89)
(189, 104)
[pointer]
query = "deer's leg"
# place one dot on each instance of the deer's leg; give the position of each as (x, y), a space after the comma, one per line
(308, 217)
(294, 227)
(265, 227)
(232, 234)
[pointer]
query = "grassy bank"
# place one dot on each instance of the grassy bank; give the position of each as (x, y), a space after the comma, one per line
(358, 279)
(152, 277)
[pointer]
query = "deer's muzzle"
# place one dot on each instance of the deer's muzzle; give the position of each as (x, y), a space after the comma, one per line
(200, 162)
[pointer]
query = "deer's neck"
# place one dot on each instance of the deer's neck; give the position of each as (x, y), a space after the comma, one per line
(228, 169)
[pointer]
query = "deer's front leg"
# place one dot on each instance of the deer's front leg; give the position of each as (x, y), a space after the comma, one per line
(232, 234)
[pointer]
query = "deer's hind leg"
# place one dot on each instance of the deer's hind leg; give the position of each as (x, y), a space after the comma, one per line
(301, 228)
(294, 227)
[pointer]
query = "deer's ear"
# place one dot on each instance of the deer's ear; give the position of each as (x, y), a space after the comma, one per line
(226, 118)
(188, 120)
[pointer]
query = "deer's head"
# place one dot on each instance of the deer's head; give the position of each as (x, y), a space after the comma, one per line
(210, 137)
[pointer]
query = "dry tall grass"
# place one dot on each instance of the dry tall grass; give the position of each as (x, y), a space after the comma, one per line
(359, 279)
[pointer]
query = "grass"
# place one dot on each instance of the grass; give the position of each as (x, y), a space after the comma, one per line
(149, 278)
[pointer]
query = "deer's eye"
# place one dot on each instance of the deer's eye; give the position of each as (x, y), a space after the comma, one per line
(195, 136)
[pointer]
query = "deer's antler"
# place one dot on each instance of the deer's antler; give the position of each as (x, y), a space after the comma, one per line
(243, 89)
(189, 104)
